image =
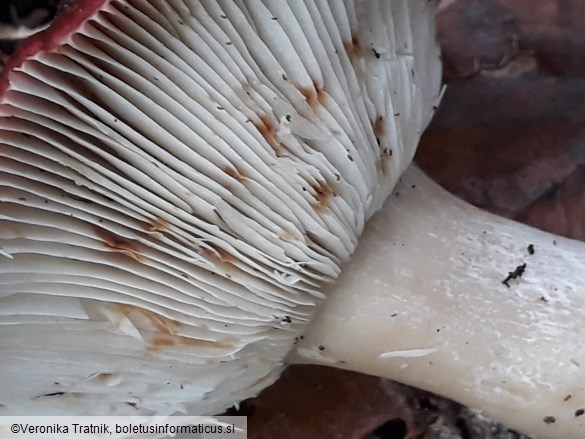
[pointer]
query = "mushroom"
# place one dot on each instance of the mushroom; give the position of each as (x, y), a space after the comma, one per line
(184, 184)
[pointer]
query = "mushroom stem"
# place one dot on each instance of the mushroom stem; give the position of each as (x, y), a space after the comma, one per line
(423, 302)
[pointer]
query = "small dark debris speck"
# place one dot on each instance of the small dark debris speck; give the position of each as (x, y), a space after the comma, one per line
(517, 273)
(543, 299)
(321, 348)
(567, 397)
(549, 420)
(286, 319)
(579, 412)
(530, 249)
(394, 315)
(54, 394)
(376, 54)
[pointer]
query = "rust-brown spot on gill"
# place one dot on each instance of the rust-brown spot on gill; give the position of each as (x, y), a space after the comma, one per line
(353, 48)
(234, 172)
(165, 340)
(383, 162)
(160, 331)
(158, 224)
(118, 244)
(266, 128)
(323, 194)
(140, 317)
(287, 236)
(104, 377)
(378, 125)
(314, 94)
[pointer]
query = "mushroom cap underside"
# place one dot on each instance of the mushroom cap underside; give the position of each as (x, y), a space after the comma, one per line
(178, 180)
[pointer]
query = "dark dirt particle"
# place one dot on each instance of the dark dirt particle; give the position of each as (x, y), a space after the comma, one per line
(530, 249)
(515, 274)
(549, 420)
(579, 412)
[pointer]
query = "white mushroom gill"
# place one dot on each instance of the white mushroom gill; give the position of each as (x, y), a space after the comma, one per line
(178, 181)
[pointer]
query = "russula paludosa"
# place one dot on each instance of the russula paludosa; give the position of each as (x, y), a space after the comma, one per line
(183, 181)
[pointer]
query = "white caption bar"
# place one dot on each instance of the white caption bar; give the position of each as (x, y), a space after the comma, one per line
(123, 427)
